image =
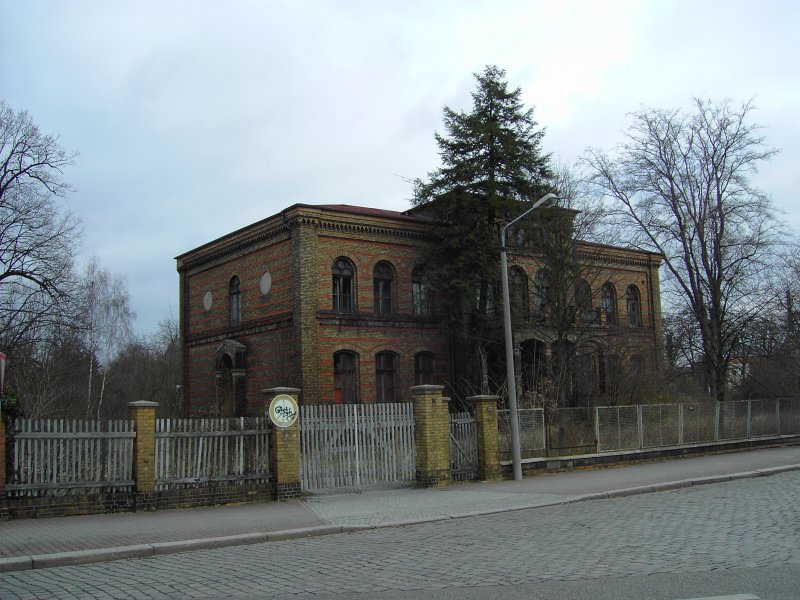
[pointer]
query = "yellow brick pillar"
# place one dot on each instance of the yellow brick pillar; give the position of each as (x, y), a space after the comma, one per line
(143, 414)
(432, 435)
(284, 450)
(485, 410)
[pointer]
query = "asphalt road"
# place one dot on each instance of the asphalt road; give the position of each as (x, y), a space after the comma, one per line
(737, 537)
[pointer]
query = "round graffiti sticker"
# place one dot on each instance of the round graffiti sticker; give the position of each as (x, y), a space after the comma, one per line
(283, 410)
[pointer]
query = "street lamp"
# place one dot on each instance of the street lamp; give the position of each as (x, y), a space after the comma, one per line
(516, 459)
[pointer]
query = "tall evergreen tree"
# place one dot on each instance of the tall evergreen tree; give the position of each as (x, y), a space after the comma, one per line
(492, 168)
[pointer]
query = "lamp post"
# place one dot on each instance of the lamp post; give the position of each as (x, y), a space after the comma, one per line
(516, 459)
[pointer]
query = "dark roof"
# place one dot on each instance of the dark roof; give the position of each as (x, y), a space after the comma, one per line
(369, 212)
(364, 210)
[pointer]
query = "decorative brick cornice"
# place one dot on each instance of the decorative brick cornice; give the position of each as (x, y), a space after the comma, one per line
(278, 232)
(604, 256)
(280, 227)
(354, 226)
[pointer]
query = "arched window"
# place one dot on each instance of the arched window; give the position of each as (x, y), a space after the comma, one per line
(634, 307)
(343, 272)
(385, 366)
(544, 286)
(583, 303)
(235, 299)
(518, 292)
(424, 368)
(420, 294)
(345, 377)
(608, 302)
(382, 280)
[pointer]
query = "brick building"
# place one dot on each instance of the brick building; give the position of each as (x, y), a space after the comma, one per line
(331, 300)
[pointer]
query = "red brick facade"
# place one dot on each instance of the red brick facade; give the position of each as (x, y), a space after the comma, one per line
(289, 335)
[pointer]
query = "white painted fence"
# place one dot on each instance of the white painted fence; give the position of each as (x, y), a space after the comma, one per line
(192, 452)
(61, 456)
(349, 445)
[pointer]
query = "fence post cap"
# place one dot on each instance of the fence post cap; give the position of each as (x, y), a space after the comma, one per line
(142, 404)
(421, 389)
(483, 398)
(281, 390)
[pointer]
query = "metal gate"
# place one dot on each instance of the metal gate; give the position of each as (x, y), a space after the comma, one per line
(463, 446)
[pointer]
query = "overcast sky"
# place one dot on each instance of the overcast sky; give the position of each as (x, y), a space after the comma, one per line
(195, 118)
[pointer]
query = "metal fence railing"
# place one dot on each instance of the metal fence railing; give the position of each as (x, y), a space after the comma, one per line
(658, 425)
(570, 431)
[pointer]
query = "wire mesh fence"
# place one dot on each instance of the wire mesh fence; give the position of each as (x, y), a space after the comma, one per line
(790, 416)
(570, 431)
(659, 425)
(764, 418)
(617, 428)
(531, 433)
(699, 422)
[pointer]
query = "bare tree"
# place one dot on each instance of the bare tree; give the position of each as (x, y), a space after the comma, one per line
(148, 368)
(108, 325)
(37, 239)
(564, 350)
(680, 183)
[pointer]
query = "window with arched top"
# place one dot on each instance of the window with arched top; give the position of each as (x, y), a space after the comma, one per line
(543, 289)
(382, 287)
(420, 293)
(424, 368)
(518, 292)
(385, 368)
(345, 377)
(234, 293)
(634, 306)
(583, 302)
(608, 304)
(343, 274)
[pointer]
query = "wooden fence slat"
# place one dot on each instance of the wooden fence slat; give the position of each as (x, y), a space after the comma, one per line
(346, 445)
(191, 452)
(70, 454)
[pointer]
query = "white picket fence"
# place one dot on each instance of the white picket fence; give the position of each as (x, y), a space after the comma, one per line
(193, 452)
(353, 445)
(62, 456)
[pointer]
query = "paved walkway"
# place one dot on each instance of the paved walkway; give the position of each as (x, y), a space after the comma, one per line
(39, 543)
